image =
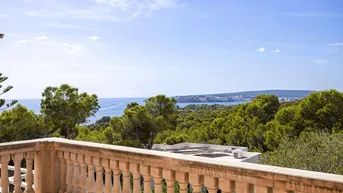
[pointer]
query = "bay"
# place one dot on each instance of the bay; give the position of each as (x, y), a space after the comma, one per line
(110, 106)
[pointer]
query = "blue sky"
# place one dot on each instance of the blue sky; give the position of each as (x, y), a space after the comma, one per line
(139, 48)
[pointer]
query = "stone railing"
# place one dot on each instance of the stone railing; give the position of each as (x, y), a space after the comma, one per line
(62, 166)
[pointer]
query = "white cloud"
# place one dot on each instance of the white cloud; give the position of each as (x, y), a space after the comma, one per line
(24, 41)
(321, 61)
(126, 5)
(113, 10)
(336, 44)
(276, 51)
(67, 47)
(74, 49)
(261, 49)
(94, 38)
(5, 16)
(66, 26)
(41, 37)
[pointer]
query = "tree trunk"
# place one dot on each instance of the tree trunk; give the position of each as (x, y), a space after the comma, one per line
(67, 129)
(151, 142)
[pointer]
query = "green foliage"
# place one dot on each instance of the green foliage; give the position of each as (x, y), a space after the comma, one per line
(101, 123)
(306, 134)
(197, 107)
(323, 111)
(4, 91)
(64, 107)
(260, 124)
(140, 124)
(310, 151)
(243, 124)
(19, 123)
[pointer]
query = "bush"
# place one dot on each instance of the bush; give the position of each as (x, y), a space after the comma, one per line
(314, 151)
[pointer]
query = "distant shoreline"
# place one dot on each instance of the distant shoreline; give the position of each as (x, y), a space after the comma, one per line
(284, 95)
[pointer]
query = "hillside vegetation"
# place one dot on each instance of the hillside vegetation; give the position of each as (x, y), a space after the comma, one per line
(306, 134)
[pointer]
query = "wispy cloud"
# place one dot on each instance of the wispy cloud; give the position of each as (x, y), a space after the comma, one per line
(113, 10)
(66, 26)
(261, 49)
(67, 47)
(94, 38)
(321, 61)
(276, 51)
(5, 16)
(127, 5)
(24, 41)
(41, 37)
(74, 49)
(314, 14)
(336, 44)
(91, 13)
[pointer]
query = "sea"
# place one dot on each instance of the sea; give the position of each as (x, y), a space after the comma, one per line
(109, 106)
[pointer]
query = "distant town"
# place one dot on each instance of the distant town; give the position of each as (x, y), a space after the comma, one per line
(284, 96)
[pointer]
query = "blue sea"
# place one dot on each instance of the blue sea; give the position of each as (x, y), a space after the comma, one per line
(108, 106)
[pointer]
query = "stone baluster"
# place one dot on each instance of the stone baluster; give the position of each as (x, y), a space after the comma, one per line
(69, 177)
(125, 168)
(182, 178)
(99, 184)
(76, 175)
(242, 187)
(116, 176)
(145, 170)
(83, 173)
(211, 183)
(4, 159)
(63, 182)
(260, 188)
(134, 169)
(226, 186)
(196, 181)
(17, 158)
(29, 174)
(169, 176)
(90, 181)
(156, 173)
(108, 177)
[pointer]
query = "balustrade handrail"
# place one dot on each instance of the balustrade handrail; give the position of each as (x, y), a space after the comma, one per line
(269, 176)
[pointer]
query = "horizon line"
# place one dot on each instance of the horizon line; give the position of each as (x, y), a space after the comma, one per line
(185, 94)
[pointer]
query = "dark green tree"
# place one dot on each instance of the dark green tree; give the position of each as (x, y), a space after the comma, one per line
(4, 91)
(64, 108)
(140, 124)
(19, 123)
(323, 111)
(101, 123)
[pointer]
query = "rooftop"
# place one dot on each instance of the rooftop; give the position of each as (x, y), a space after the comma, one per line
(217, 152)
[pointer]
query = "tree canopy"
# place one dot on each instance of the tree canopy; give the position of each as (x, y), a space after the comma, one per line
(4, 91)
(308, 131)
(19, 123)
(64, 108)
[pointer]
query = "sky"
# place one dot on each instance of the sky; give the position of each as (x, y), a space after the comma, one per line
(140, 48)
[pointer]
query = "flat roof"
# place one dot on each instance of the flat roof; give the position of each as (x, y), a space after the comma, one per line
(216, 152)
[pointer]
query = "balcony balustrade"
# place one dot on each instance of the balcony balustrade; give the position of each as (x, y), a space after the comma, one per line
(67, 166)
